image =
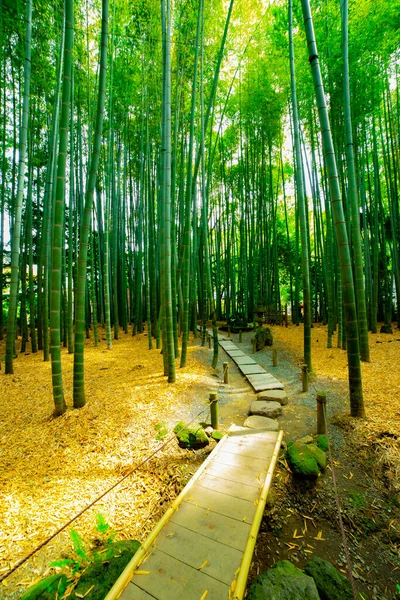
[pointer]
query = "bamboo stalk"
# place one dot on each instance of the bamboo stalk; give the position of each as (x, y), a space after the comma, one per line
(251, 541)
(129, 571)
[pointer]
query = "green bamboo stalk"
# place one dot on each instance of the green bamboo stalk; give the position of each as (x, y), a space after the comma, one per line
(16, 234)
(79, 383)
(354, 367)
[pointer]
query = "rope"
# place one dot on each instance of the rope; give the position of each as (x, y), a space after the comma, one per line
(339, 510)
(79, 514)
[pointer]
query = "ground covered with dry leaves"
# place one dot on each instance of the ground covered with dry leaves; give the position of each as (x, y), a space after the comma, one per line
(381, 387)
(50, 469)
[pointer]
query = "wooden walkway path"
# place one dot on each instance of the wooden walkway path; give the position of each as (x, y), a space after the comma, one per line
(203, 546)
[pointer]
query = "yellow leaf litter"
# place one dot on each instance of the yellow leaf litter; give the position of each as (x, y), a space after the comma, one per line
(381, 387)
(50, 469)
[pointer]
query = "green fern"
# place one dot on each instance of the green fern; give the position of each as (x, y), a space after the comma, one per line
(79, 545)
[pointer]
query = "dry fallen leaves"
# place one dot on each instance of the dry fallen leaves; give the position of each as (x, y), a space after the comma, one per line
(52, 468)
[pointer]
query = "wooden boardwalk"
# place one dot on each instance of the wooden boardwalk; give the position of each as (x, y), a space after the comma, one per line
(202, 547)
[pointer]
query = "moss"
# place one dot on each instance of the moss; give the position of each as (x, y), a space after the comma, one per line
(47, 588)
(301, 461)
(322, 442)
(191, 437)
(330, 583)
(105, 570)
(318, 454)
(283, 582)
(179, 426)
(217, 435)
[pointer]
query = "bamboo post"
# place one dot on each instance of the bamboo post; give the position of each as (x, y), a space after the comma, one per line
(274, 357)
(229, 331)
(240, 336)
(209, 340)
(304, 377)
(321, 405)
(226, 372)
(253, 341)
(286, 315)
(214, 410)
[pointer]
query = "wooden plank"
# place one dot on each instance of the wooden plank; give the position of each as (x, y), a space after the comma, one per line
(220, 561)
(231, 488)
(173, 579)
(133, 592)
(243, 462)
(222, 529)
(256, 450)
(217, 501)
(235, 474)
(243, 360)
(252, 369)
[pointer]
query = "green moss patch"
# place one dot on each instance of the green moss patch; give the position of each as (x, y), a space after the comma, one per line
(301, 461)
(193, 436)
(283, 582)
(330, 583)
(322, 442)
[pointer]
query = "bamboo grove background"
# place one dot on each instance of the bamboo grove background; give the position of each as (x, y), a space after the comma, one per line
(174, 163)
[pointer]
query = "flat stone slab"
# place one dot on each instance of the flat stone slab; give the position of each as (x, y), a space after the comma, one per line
(256, 422)
(235, 353)
(274, 395)
(228, 346)
(264, 382)
(244, 360)
(252, 369)
(266, 409)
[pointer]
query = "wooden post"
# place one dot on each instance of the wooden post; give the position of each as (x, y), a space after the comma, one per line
(253, 341)
(209, 340)
(274, 358)
(214, 410)
(286, 316)
(226, 372)
(321, 406)
(229, 331)
(304, 377)
(240, 336)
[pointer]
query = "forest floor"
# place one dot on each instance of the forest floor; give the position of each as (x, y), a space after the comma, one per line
(50, 469)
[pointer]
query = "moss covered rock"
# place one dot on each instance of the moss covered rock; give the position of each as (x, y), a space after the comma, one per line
(301, 460)
(101, 575)
(318, 454)
(283, 582)
(331, 584)
(322, 442)
(191, 437)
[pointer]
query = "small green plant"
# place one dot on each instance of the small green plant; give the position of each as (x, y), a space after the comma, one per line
(357, 499)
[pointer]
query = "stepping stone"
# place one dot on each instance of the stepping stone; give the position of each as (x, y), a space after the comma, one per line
(243, 360)
(256, 422)
(266, 409)
(274, 395)
(252, 369)
(264, 382)
(228, 346)
(236, 354)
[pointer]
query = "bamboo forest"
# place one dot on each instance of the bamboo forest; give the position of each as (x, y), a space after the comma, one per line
(200, 299)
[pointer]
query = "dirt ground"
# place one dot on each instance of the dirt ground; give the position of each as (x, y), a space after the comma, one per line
(52, 468)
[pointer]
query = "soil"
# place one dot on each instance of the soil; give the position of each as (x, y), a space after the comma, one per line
(302, 517)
